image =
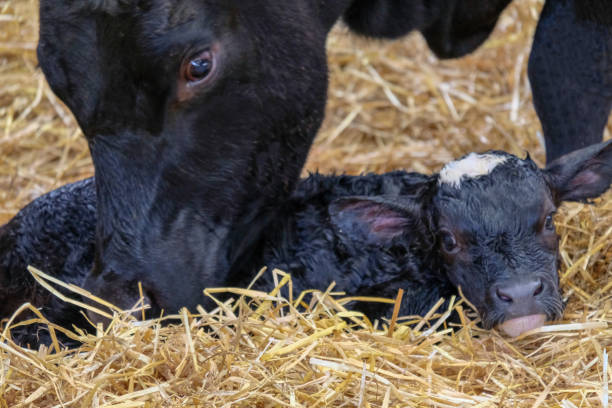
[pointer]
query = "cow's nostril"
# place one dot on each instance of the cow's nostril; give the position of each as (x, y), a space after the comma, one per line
(539, 289)
(503, 296)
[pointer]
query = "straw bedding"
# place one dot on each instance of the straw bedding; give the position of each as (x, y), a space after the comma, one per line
(392, 105)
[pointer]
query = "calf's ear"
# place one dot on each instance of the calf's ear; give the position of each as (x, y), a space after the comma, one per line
(372, 220)
(581, 174)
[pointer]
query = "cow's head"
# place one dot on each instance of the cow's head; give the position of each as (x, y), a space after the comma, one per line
(199, 116)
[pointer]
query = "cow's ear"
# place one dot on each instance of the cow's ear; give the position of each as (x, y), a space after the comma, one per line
(581, 174)
(372, 220)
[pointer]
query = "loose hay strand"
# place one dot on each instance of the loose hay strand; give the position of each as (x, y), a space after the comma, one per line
(396, 309)
(391, 105)
(604, 385)
(42, 279)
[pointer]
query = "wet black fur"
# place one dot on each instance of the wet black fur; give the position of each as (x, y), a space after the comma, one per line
(317, 250)
(64, 221)
(177, 174)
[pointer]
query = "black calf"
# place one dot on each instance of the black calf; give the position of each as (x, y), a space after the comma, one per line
(484, 223)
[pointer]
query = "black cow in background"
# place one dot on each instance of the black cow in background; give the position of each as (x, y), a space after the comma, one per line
(199, 114)
(570, 71)
(570, 65)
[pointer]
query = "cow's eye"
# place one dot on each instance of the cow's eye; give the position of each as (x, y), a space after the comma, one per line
(549, 223)
(198, 67)
(448, 242)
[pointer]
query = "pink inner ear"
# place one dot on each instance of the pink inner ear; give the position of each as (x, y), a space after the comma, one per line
(387, 224)
(380, 220)
(583, 178)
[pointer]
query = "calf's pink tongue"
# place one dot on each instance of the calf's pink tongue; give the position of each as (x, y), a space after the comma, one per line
(520, 325)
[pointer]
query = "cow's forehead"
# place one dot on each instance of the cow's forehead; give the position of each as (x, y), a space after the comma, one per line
(161, 15)
(180, 12)
(471, 166)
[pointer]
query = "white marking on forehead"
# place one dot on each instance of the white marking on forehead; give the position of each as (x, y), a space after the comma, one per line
(471, 166)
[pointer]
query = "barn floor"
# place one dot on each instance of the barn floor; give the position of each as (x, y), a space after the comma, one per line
(391, 105)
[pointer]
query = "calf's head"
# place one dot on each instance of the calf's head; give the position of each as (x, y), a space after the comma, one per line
(492, 229)
(199, 116)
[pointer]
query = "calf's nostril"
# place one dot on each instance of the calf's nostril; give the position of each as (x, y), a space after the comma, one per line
(520, 292)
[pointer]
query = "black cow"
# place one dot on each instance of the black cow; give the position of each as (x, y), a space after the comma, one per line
(199, 114)
(484, 223)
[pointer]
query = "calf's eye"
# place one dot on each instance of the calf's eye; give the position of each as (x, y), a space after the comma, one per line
(549, 223)
(197, 68)
(448, 242)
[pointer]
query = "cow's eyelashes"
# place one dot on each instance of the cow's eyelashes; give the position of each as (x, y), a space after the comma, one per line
(198, 67)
